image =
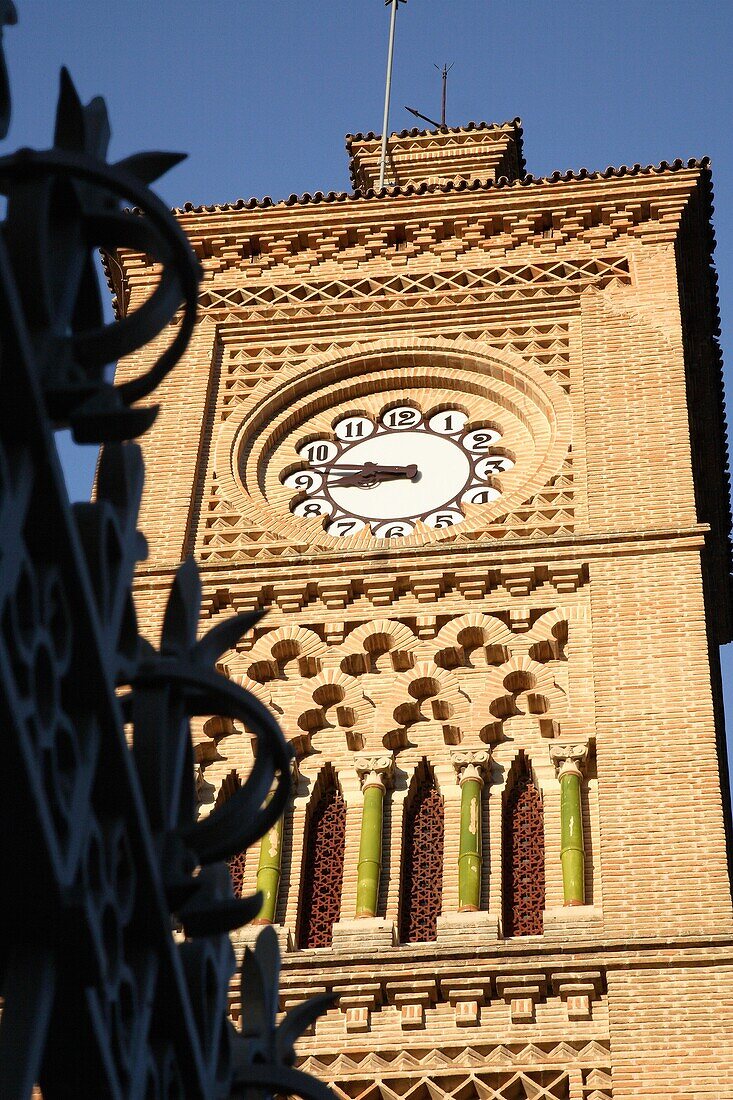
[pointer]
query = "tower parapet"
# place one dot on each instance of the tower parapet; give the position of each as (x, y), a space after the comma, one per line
(478, 151)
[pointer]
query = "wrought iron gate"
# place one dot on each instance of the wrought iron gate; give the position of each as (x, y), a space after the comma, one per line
(100, 849)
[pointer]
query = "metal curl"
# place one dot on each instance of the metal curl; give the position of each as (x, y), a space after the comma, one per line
(102, 844)
(243, 818)
(162, 239)
(274, 1080)
(8, 16)
(184, 667)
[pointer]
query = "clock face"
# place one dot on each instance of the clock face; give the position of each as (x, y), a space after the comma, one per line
(424, 441)
(395, 468)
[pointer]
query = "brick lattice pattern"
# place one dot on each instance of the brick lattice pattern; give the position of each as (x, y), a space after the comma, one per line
(237, 867)
(323, 870)
(422, 867)
(524, 855)
(489, 1085)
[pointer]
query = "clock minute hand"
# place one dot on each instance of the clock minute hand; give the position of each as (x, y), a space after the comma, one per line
(371, 474)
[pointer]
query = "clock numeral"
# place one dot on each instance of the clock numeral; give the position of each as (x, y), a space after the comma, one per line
(345, 527)
(320, 450)
(481, 439)
(404, 417)
(354, 427)
(306, 481)
(309, 509)
(445, 518)
(495, 464)
(448, 422)
(481, 495)
(393, 529)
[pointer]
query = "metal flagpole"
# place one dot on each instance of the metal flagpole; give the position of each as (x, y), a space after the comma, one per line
(388, 88)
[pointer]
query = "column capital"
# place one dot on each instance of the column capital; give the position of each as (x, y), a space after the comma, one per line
(375, 769)
(569, 757)
(471, 763)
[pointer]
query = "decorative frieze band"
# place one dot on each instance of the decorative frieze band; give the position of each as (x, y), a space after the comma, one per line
(484, 284)
(386, 590)
(468, 994)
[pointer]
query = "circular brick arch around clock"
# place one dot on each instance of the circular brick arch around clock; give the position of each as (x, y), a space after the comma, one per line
(257, 448)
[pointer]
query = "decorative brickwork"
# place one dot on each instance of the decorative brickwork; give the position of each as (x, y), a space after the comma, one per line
(236, 870)
(422, 863)
(523, 856)
(489, 1085)
(582, 607)
(323, 867)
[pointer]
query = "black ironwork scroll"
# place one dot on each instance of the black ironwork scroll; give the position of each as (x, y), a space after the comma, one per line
(101, 852)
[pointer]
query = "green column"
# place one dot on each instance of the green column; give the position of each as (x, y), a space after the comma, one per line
(268, 872)
(370, 842)
(469, 852)
(572, 849)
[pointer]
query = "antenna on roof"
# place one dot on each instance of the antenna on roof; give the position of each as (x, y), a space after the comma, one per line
(444, 73)
(390, 54)
(436, 125)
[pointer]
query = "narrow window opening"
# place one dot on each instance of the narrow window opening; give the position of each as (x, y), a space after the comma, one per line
(422, 860)
(237, 863)
(323, 865)
(523, 853)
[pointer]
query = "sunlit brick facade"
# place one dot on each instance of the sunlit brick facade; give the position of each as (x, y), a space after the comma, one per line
(549, 661)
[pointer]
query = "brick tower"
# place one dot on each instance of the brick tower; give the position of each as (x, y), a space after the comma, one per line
(464, 438)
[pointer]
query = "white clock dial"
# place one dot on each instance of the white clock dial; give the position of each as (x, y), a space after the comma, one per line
(479, 440)
(312, 507)
(495, 464)
(318, 451)
(353, 428)
(401, 418)
(480, 494)
(394, 470)
(443, 469)
(308, 481)
(448, 422)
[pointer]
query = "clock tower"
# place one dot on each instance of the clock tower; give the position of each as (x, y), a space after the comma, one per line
(463, 437)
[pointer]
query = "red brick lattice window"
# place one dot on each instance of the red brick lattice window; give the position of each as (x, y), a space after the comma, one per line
(323, 868)
(523, 853)
(422, 861)
(232, 783)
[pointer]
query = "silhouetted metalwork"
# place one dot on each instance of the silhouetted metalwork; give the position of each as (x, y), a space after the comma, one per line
(101, 852)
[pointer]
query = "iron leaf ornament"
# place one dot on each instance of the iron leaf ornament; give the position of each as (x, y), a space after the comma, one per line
(63, 204)
(102, 850)
(265, 1052)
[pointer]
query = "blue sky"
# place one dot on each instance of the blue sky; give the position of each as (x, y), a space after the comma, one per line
(261, 94)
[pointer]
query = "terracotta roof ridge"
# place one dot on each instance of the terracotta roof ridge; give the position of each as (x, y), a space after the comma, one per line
(316, 197)
(415, 131)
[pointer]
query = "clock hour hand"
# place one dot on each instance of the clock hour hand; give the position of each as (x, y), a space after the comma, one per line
(371, 474)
